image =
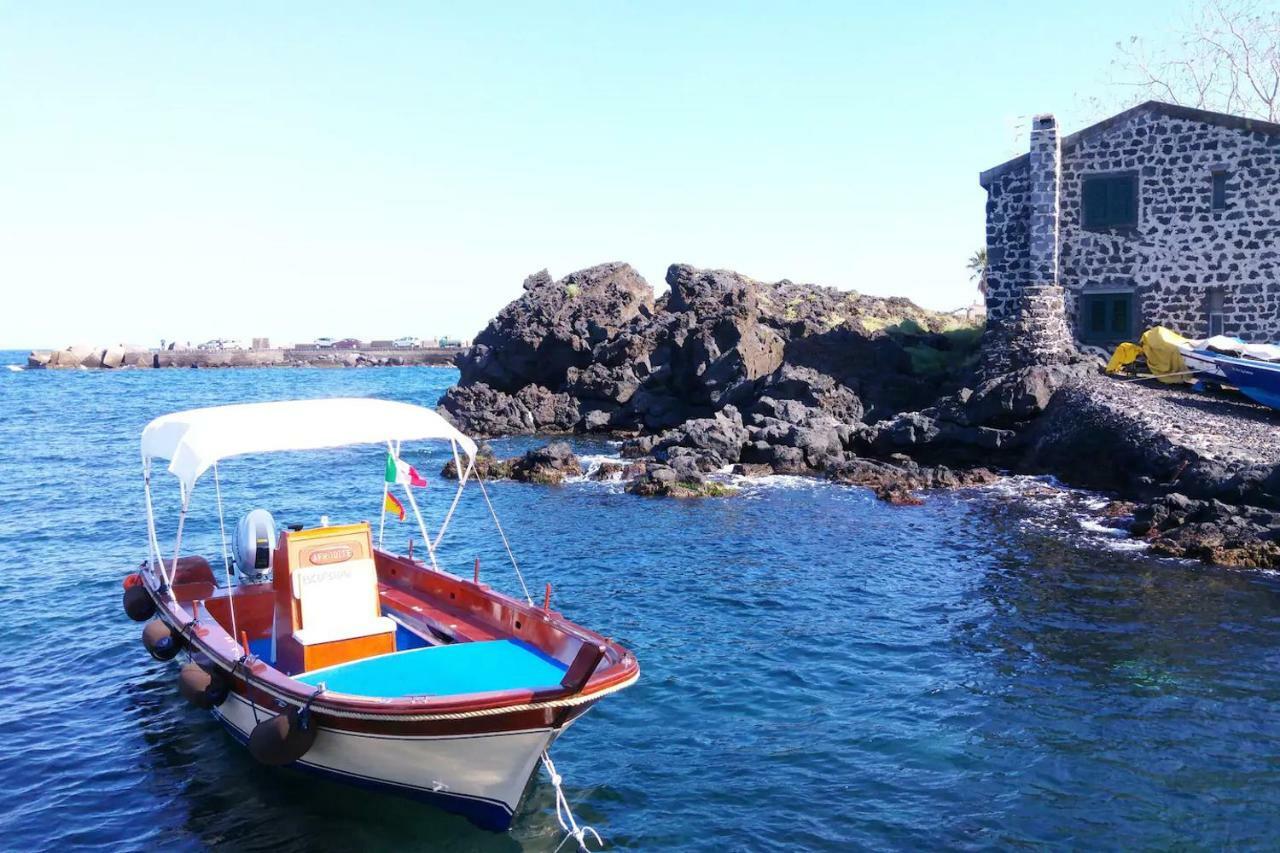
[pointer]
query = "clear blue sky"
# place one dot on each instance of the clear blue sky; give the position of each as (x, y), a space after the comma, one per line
(188, 170)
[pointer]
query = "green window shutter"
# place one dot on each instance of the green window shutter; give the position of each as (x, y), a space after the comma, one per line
(1097, 317)
(1095, 202)
(1110, 201)
(1120, 316)
(1122, 207)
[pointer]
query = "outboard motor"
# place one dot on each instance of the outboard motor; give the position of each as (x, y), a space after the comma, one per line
(255, 542)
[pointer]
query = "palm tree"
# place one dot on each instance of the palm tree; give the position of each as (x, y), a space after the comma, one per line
(978, 267)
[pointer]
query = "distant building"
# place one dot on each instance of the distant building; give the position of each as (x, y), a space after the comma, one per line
(1160, 215)
(262, 343)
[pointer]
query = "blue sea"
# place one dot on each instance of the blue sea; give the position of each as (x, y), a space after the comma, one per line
(819, 670)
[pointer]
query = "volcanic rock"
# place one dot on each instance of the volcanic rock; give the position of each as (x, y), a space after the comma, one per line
(718, 339)
(661, 480)
(1211, 531)
(547, 465)
(896, 482)
(553, 327)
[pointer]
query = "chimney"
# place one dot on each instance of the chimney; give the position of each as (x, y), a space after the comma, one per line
(1046, 162)
(1032, 328)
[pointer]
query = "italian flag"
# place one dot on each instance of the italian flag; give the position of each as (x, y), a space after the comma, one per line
(393, 506)
(403, 473)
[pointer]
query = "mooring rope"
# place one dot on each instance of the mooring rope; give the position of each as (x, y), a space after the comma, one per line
(564, 814)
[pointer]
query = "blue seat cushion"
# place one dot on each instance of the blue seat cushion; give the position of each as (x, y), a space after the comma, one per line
(443, 671)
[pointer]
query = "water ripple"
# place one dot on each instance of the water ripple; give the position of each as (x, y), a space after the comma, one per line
(995, 668)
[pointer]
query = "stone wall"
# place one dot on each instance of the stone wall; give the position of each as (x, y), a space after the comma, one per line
(1181, 247)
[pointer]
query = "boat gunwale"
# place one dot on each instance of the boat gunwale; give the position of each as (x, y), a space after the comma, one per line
(205, 633)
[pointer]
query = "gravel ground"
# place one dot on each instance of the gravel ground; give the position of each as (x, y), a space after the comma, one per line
(1219, 425)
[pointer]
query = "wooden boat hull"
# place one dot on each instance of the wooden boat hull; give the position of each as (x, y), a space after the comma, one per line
(1257, 380)
(471, 754)
(1205, 367)
(481, 776)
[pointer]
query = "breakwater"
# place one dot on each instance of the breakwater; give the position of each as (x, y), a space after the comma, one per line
(117, 357)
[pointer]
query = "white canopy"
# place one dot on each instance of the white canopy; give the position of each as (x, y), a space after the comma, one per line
(194, 440)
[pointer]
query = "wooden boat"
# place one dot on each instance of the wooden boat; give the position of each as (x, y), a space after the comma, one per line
(1202, 367)
(334, 656)
(1202, 356)
(1256, 379)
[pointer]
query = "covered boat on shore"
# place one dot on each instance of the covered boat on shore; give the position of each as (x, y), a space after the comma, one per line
(1257, 379)
(324, 652)
(1172, 358)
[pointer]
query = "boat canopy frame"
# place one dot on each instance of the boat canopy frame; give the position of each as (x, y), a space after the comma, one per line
(196, 440)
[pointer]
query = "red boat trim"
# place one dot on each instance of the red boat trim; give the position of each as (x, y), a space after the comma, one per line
(496, 710)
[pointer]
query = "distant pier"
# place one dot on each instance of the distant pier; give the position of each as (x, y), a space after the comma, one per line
(114, 358)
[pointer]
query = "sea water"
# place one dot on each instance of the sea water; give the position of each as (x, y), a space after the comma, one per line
(819, 670)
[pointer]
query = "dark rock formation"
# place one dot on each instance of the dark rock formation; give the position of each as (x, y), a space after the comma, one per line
(984, 424)
(1211, 531)
(899, 480)
(1145, 443)
(547, 465)
(680, 481)
(594, 352)
(487, 466)
(728, 372)
(555, 326)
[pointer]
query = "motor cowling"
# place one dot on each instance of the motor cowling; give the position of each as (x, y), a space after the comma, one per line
(203, 688)
(254, 544)
(283, 739)
(161, 641)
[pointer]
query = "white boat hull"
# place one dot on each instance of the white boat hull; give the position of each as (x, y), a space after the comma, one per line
(481, 776)
(1201, 366)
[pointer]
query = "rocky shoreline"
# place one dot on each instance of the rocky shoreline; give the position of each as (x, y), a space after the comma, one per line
(125, 357)
(728, 373)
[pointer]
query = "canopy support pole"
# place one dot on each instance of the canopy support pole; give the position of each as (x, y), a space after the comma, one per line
(462, 481)
(226, 560)
(422, 527)
(382, 507)
(177, 542)
(153, 543)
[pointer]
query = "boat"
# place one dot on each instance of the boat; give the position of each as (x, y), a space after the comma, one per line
(322, 651)
(1200, 366)
(1208, 366)
(1174, 359)
(1258, 380)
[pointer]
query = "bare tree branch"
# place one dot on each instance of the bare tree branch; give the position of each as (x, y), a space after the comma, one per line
(1227, 57)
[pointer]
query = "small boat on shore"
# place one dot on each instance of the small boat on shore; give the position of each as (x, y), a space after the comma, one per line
(1174, 359)
(1258, 380)
(1199, 365)
(324, 652)
(1203, 356)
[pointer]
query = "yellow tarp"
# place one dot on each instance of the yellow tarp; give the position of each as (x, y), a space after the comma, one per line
(1161, 348)
(1125, 355)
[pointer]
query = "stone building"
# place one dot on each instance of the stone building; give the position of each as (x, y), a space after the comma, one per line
(1161, 215)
